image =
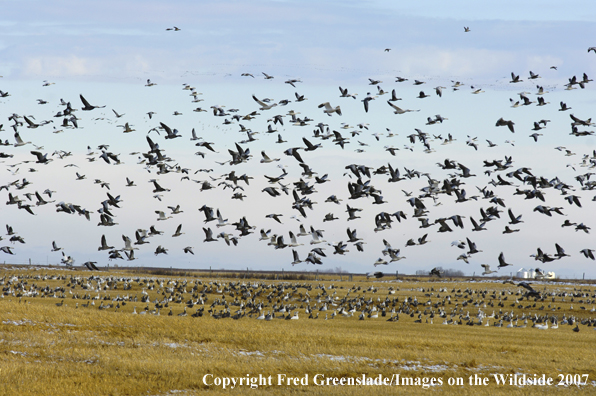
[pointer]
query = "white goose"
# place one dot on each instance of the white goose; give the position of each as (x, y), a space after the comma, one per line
(329, 110)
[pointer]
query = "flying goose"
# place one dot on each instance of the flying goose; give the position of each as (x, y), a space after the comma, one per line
(87, 106)
(503, 122)
(329, 110)
(316, 236)
(266, 159)
(514, 219)
(116, 113)
(161, 250)
(208, 235)
(398, 110)
(487, 270)
(345, 94)
(502, 262)
(170, 133)
(162, 215)
(104, 245)
(141, 239)
(380, 261)
(175, 209)
(293, 241)
(158, 188)
(588, 253)
(6, 249)
(41, 158)
(178, 231)
(366, 100)
(514, 78)
(19, 141)
(264, 106)
(153, 231)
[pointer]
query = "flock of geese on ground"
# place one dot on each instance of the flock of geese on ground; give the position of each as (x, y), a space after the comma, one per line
(521, 307)
(297, 182)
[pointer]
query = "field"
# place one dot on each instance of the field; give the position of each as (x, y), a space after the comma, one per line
(74, 333)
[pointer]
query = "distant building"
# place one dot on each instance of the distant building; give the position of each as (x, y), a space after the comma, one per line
(535, 274)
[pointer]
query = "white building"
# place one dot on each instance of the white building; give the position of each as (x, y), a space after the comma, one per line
(535, 274)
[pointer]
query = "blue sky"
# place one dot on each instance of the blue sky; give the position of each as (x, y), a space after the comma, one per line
(106, 51)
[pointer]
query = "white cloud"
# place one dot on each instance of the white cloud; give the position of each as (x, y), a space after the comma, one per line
(54, 66)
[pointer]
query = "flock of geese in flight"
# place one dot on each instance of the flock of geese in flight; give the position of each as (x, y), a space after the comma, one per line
(297, 182)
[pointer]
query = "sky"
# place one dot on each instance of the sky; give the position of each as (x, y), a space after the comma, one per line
(107, 51)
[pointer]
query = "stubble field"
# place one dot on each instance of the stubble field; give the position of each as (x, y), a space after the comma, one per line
(74, 333)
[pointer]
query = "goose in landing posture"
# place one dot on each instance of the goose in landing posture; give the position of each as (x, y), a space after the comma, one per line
(67, 260)
(487, 270)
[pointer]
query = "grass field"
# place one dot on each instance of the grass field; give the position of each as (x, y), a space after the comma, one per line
(65, 333)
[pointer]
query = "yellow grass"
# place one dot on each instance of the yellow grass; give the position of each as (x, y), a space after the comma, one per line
(69, 350)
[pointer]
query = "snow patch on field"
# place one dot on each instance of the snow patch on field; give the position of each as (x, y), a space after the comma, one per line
(18, 322)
